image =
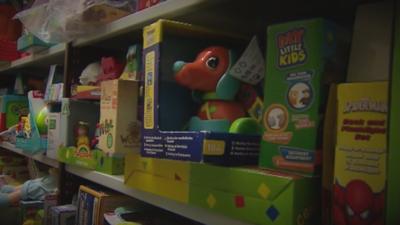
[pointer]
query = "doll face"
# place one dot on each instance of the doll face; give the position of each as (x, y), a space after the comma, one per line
(82, 131)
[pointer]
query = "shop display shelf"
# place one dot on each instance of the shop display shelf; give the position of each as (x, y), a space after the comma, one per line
(40, 157)
(117, 183)
(53, 55)
(169, 9)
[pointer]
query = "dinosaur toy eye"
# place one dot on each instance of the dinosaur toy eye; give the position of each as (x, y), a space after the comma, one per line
(212, 63)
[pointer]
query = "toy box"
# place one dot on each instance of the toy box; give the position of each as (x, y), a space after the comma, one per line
(11, 108)
(119, 128)
(133, 66)
(169, 108)
(328, 155)
(71, 117)
(392, 215)
(360, 156)
(93, 204)
(251, 195)
(303, 57)
(63, 215)
(31, 212)
(32, 44)
(50, 200)
(371, 46)
(32, 129)
(54, 139)
(64, 138)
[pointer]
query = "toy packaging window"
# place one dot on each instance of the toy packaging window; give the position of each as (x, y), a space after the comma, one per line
(171, 128)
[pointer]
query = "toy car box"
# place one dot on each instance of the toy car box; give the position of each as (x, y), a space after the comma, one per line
(303, 58)
(12, 107)
(169, 106)
(361, 154)
(248, 194)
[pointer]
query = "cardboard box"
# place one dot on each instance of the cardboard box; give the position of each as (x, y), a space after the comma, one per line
(30, 43)
(360, 156)
(93, 204)
(166, 178)
(71, 115)
(63, 215)
(50, 200)
(54, 134)
(303, 57)
(11, 108)
(251, 195)
(119, 128)
(30, 211)
(328, 155)
(168, 106)
(371, 48)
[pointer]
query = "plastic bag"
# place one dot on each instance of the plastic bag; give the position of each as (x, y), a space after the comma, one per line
(56, 21)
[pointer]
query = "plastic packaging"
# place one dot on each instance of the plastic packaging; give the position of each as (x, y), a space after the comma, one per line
(56, 21)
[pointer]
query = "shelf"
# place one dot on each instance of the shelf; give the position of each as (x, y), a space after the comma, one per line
(53, 55)
(40, 157)
(117, 183)
(166, 10)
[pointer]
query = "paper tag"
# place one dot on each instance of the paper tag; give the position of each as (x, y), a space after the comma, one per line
(251, 65)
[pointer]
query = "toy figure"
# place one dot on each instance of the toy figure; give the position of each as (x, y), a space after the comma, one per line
(90, 73)
(95, 140)
(356, 204)
(131, 71)
(26, 126)
(110, 69)
(82, 138)
(209, 74)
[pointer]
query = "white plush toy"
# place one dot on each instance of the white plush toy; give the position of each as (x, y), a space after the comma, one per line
(90, 73)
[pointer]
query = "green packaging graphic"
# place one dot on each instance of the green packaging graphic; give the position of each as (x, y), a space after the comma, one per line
(303, 58)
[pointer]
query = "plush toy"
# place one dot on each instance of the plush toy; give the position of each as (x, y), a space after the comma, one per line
(208, 76)
(110, 69)
(90, 73)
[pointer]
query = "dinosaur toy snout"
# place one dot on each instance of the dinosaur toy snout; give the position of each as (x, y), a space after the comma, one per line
(204, 73)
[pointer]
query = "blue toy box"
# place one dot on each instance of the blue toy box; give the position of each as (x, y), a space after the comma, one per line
(169, 107)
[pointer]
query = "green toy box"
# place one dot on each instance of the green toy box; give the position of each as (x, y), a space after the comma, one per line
(256, 196)
(251, 195)
(32, 44)
(66, 139)
(303, 58)
(11, 108)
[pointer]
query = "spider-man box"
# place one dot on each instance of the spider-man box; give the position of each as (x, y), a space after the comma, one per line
(360, 175)
(303, 58)
(187, 69)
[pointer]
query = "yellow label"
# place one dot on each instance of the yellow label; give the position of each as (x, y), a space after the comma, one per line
(361, 134)
(213, 147)
(152, 34)
(149, 90)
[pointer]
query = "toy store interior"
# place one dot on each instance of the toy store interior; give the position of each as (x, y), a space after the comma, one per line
(190, 112)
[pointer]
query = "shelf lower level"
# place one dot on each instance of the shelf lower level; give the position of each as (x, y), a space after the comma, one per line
(117, 183)
(40, 157)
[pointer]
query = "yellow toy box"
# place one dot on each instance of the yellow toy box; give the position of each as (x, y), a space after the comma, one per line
(119, 128)
(360, 155)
